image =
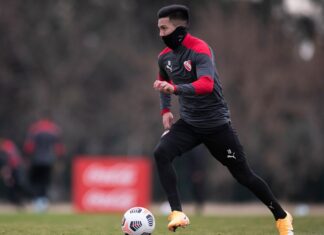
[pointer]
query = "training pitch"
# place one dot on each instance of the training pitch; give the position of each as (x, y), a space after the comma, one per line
(109, 224)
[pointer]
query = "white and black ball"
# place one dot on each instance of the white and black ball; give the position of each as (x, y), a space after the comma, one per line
(138, 221)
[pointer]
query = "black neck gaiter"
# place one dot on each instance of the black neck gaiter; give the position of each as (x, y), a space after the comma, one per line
(174, 39)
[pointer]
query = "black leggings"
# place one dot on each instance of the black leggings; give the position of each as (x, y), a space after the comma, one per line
(40, 179)
(224, 145)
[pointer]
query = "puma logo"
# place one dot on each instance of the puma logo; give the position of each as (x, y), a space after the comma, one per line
(169, 66)
(230, 154)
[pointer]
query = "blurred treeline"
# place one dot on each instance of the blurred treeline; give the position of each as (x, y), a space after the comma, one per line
(90, 64)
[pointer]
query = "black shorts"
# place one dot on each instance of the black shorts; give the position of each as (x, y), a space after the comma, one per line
(222, 142)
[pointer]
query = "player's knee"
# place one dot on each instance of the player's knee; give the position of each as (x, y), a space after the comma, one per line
(160, 154)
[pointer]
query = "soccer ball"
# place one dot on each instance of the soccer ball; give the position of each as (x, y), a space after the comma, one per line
(138, 221)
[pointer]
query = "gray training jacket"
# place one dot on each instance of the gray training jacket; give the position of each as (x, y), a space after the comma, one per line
(191, 69)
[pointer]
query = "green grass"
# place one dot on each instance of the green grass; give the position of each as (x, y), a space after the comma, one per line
(94, 224)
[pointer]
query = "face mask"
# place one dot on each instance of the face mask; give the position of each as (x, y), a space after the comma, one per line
(174, 39)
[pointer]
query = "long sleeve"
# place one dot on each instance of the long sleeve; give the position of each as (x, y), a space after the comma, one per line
(204, 72)
(165, 99)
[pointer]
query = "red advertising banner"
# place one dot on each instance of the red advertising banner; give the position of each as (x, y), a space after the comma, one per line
(111, 183)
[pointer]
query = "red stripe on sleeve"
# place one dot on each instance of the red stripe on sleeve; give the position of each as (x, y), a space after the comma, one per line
(204, 85)
(163, 111)
(174, 87)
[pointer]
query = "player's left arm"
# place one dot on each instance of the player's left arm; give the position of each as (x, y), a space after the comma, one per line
(203, 85)
(205, 71)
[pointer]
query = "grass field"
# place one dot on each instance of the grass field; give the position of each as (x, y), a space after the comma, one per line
(82, 224)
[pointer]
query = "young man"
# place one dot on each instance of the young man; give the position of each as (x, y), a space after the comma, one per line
(187, 70)
(42, 145)
(12, 173)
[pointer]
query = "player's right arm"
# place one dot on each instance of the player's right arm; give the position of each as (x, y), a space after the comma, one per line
(165, 99)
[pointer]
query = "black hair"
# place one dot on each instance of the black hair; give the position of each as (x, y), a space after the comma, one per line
(174, 12)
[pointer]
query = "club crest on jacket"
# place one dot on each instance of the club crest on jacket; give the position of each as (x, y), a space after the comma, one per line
(187, 65)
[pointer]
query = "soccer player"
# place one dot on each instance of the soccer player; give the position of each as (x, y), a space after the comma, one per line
(11, 172)
(43, 145)
(187, 70)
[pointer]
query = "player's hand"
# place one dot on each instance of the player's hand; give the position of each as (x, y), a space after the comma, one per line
(163, 86)
(167, 120)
